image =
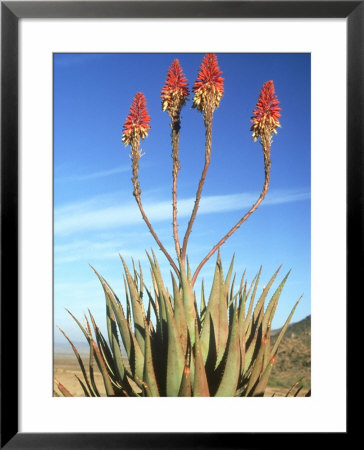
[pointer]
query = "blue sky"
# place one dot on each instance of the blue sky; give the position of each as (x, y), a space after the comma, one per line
(95, 214)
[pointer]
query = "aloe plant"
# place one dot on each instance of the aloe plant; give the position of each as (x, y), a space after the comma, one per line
(167, 345)
(153, 353)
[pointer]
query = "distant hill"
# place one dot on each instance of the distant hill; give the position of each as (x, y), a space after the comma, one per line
(294, 355)
(64, 348)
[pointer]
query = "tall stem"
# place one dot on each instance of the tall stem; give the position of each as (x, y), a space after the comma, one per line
(208, 140)
(135, 152)
(267, 164)
(176, 166)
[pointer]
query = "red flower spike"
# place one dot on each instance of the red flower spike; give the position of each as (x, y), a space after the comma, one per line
(267, 113)
(174, 92)
(136, 125)
(209, 86)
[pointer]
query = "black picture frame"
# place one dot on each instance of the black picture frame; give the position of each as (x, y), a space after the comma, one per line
(11, 12)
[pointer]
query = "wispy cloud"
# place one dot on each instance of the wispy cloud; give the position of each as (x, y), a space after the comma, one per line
(94, 175)
(108, 212)
(96, 250)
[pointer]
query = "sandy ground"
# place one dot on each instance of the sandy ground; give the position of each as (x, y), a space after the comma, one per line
(66, 367)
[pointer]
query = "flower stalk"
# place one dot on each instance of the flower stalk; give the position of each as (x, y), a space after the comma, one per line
(136, 127)
(208, 90)
(174, 95)
(265, 120)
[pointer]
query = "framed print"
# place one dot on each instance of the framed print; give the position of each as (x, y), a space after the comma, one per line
(100, 100)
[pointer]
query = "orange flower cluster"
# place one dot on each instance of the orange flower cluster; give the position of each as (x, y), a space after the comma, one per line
(174, 92)
(209, 85)
(136, 125)
(267, 113)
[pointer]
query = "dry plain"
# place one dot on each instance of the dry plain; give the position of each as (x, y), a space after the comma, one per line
(66, 368)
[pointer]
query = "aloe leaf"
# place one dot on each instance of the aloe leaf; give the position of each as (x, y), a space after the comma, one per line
(259, 389)
(267, 353)
(141, 281)
(103, 356)
(160, 315)
(64, 391)
(249, 351)
(110, 289)
(144, 388)
(91, 371)
(284, 328)
(179, 315)
(135, 272)
(257, 366)
(241, 308)
(149, 310)
(112, 330)
(85, 391)
(114, 357)
(203, 303)
(123, 325)
(175, 357)
(241, 325)
(254, 341)
(185, 389)
(247, 293)
(103, 348)
(137, 307)
(228, 276)
(256, 283)
(257, 316)
(248, 318)
(149, 374)
(242, 280)
(272, 305)
(298, 391)
(128, 306)
(222, 329)
(231, 294)
(188, 270)
(293, 386)
(150, 326)
(230, 378)
(86, 334)
(80, 362)
(156, 275)
(188, 298)
(102, 366)
(136, 357)
(200, 385)
(152, 302)
(212, 314)
(118, 358)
